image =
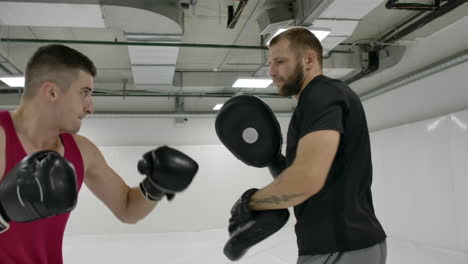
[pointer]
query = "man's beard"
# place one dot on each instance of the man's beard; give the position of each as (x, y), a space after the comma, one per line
(292, 85)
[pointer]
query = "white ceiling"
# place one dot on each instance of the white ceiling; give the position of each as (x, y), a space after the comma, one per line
(199, 76)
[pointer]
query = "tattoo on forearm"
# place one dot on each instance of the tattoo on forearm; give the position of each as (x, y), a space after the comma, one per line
(278, 199)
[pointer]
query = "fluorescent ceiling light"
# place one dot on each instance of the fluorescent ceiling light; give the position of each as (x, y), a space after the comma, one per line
(252, 83)
(320, 33)
(217, 107)
(13, 81)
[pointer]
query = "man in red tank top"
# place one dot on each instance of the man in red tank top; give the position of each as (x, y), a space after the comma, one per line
(57, 96)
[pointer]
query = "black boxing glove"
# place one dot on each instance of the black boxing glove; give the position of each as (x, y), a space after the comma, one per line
(247, 227)
(241, 215)
(167, 171)
(41, 185)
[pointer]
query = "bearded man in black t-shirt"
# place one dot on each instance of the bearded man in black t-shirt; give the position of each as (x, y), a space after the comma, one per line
(329, 169)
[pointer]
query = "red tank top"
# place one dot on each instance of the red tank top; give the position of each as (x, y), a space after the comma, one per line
(37, 242)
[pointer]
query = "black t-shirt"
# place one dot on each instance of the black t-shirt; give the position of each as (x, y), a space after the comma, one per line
(341, 216)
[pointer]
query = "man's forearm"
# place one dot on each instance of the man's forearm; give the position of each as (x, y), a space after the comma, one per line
(291, 188)
(272, 201)
(137, 205)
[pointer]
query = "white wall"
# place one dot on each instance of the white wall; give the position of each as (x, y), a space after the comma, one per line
(154, 131)
(205, 204)
(419, 194)
(190, 229)
(420, 181)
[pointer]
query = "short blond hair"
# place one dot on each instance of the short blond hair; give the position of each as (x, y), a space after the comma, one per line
(300, 39)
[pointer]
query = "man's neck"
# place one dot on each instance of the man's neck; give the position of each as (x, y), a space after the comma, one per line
(34, 127)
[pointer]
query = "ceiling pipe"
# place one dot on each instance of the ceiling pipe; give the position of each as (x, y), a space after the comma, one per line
(446, 8)
(126, 43)
(401, 25)
(393, 4)
(130, 93)
(224, 95)
(232, 20)
(19, 90)
(167, 115)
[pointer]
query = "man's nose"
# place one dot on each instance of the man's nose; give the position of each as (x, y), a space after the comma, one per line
(89, 109)
(272, 71)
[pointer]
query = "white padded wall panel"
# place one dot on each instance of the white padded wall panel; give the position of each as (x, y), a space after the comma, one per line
(459, 159)
(378, 178)
(431, 183)
(395, 205)
(423, 167)
(418, 191)
(408, 252)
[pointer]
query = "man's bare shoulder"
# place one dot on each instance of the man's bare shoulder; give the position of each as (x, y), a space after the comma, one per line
(83, 142)
(87, 148)
(2, 136)
(2, 151)
(91, 154)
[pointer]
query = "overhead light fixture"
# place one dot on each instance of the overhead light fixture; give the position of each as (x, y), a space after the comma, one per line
(13, 81)
(320, 33)
(217, 107)
(252, 83)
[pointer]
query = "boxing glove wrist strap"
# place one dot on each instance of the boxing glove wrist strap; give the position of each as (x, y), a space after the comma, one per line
(3, 221)
(150, 192)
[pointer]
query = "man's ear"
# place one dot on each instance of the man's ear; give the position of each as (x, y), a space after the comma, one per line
(311, 59)
(49, 90)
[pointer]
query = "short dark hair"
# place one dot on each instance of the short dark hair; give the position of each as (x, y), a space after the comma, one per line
(56, 63)
(300, 38)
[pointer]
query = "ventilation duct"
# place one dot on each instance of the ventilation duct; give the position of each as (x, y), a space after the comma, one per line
(158, 21)
(340, 16)
(153, 67)
(272, 17)
(309, 10)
